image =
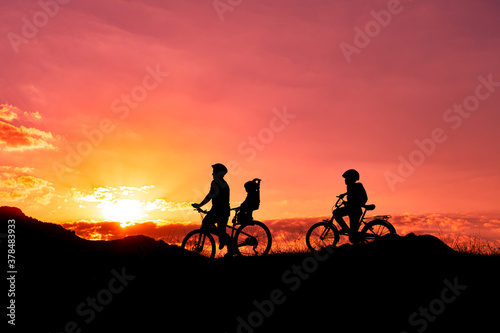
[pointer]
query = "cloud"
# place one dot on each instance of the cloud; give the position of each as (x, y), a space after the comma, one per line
(16, 137)
(10, 112)
(448, 226)
(18, 185)
(7, 112)
(289, 234)
(21, 138)
(163, 205)
(452, 229)
(169, 232)
(99, 194)
(127, 203)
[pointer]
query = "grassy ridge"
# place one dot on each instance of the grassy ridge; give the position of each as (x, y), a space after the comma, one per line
(135, 284)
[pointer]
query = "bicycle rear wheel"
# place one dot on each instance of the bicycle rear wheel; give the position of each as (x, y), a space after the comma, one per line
(376, 229)
(253, 239)
(321, 235)
(200, 242)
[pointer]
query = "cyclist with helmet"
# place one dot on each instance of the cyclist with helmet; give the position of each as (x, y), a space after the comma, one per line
(356, 199)
(220, 211)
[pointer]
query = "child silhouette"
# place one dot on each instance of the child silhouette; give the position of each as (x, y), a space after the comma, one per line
(252, 201)
(356, 199)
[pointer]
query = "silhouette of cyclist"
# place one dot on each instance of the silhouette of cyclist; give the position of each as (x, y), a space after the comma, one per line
(356, 199)
(219, 213)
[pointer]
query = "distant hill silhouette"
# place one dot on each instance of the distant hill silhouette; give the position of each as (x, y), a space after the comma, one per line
(138, 284)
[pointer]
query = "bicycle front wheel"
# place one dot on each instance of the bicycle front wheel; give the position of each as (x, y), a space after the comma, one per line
(253, 239)
(321, 235)
(200, 242)
(376, 229)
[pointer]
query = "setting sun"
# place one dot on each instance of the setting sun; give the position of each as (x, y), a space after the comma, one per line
(122, 210)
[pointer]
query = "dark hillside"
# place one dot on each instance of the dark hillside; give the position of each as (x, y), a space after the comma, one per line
(136, 284)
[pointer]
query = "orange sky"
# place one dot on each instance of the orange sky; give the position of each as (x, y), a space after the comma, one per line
(115, 110)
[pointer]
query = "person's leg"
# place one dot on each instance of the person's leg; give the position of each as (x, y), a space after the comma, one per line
(221, 226)
(208, 221)
(354, 222)
(221, 231)
(338, 214)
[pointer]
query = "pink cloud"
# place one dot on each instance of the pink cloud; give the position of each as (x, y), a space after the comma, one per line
(289, 234)
(21, 138)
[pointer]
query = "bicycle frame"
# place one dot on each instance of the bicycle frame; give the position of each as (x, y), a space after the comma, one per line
(233, 227)
(341, 202)
(327, 233)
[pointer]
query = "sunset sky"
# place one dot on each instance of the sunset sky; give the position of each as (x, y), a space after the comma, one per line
(115, 110)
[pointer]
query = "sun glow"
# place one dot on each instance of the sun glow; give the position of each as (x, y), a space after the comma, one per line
(122, 210)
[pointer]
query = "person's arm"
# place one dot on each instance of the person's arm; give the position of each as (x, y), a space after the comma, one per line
(207, 198)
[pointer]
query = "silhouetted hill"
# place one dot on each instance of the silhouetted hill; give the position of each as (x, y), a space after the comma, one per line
(413, 283)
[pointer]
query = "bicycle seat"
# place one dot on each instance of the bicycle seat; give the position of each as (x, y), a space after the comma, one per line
(369, 207)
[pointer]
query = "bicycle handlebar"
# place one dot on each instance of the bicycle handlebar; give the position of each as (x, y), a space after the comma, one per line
(199, 210)
(340, 202)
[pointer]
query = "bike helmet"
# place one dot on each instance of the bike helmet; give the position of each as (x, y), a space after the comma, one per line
(251, 186)
(219, 169)
(351, 174)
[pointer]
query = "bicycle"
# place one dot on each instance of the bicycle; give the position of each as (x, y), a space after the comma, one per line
(251, 238)
(325, 233)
